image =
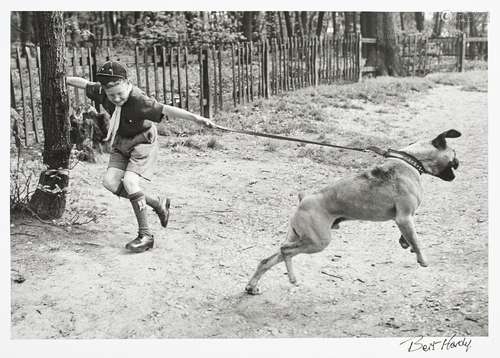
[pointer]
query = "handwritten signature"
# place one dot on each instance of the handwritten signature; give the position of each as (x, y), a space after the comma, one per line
(415, 344)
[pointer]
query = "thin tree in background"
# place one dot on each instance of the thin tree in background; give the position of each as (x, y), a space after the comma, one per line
(49, 199)
(26, 27)
(247, 24)
(348, 22)
(319, 25)
(419, 21)
(473, 32)
(334, 22)
(299, 23)
(385, 57)
(280, 25)
(438, 25)
(289, 24)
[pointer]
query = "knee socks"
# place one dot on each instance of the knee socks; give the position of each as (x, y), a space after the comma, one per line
(152, 202)
(138, 201)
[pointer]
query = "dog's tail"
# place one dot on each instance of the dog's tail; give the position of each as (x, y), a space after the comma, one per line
(301, 196)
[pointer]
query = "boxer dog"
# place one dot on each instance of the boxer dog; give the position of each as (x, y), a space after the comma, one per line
(390, 191)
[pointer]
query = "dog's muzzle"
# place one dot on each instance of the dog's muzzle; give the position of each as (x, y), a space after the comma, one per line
(447, 173)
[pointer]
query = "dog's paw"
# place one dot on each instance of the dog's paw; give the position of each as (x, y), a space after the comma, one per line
(404, 244)
(422, 263)
(251, 290)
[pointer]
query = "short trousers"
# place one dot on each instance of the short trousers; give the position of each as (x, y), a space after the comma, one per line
(136, 154)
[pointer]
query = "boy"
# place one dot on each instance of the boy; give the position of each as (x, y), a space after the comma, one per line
(133, 138)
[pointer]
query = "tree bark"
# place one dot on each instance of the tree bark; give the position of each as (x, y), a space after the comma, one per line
(419, 21)
(385, 57)
(319, 27)
(49, 200)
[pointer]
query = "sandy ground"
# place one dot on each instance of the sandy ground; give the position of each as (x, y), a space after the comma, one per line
(230, 210)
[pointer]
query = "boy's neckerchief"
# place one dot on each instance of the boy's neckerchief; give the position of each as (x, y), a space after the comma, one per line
(114, 123)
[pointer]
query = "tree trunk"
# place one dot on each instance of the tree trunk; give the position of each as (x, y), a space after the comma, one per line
(26, 27)
(247, 24)
(280, 25)
(288, 23)
(419, 21)
(385, 57)
(402, 20)
(49, 200)
(319, 27)
(124, 25)
(349, 22)
(334, 22)
(298, 22)
(473, 32)
(260, 21)
(303, 22)
(438, 25)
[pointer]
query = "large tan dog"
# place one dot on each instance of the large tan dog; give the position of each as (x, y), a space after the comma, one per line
(391, 191)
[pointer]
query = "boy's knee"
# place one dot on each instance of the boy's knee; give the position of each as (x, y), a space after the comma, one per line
(111, 183)
(131, 182)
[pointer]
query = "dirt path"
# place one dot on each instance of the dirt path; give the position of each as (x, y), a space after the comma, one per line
(230, 209)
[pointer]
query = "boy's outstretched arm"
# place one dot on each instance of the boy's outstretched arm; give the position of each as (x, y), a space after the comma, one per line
(77, 82)
(175, 112)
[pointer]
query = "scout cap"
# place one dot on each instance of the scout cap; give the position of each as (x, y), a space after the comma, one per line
(111, 71)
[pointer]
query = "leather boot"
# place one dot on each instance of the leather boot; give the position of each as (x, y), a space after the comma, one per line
(141, 243)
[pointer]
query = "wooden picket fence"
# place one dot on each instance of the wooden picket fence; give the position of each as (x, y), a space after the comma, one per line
(211, 78)
(421, 55)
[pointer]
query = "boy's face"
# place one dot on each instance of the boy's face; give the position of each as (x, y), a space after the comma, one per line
(119, 93)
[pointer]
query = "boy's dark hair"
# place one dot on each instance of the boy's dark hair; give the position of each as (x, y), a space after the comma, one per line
(111, 71)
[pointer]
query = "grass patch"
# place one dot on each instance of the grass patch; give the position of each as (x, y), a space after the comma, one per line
(469, 81)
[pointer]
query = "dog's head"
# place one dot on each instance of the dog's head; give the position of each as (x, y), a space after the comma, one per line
(436, 156)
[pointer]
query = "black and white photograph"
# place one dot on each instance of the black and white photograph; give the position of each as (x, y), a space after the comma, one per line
(314, 175)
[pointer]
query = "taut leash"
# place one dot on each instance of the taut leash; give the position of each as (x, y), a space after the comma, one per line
(292, 139)
(390, 153)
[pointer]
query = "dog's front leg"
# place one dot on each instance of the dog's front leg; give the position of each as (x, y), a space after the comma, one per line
(407, 227)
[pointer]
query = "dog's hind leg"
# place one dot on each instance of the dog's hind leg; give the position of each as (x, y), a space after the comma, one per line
(292, 242)
(262, 268)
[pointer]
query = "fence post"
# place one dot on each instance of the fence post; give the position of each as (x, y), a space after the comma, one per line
(360, 56)
(32, 99)
(137, 70)
(12, 93)
(315, 59)
(178, 60)
(205, 110)
(21, 84)
(266, 69)
(463, 44)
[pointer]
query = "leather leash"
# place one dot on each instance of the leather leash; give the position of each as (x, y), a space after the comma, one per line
(292, 139)
(390, 153)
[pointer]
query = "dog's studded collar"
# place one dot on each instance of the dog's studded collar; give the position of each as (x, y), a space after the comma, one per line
(410, 159)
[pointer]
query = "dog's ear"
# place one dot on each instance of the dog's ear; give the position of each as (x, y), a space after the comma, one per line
(440, 141)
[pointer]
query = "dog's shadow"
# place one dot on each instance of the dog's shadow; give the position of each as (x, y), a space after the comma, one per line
(276, 308)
